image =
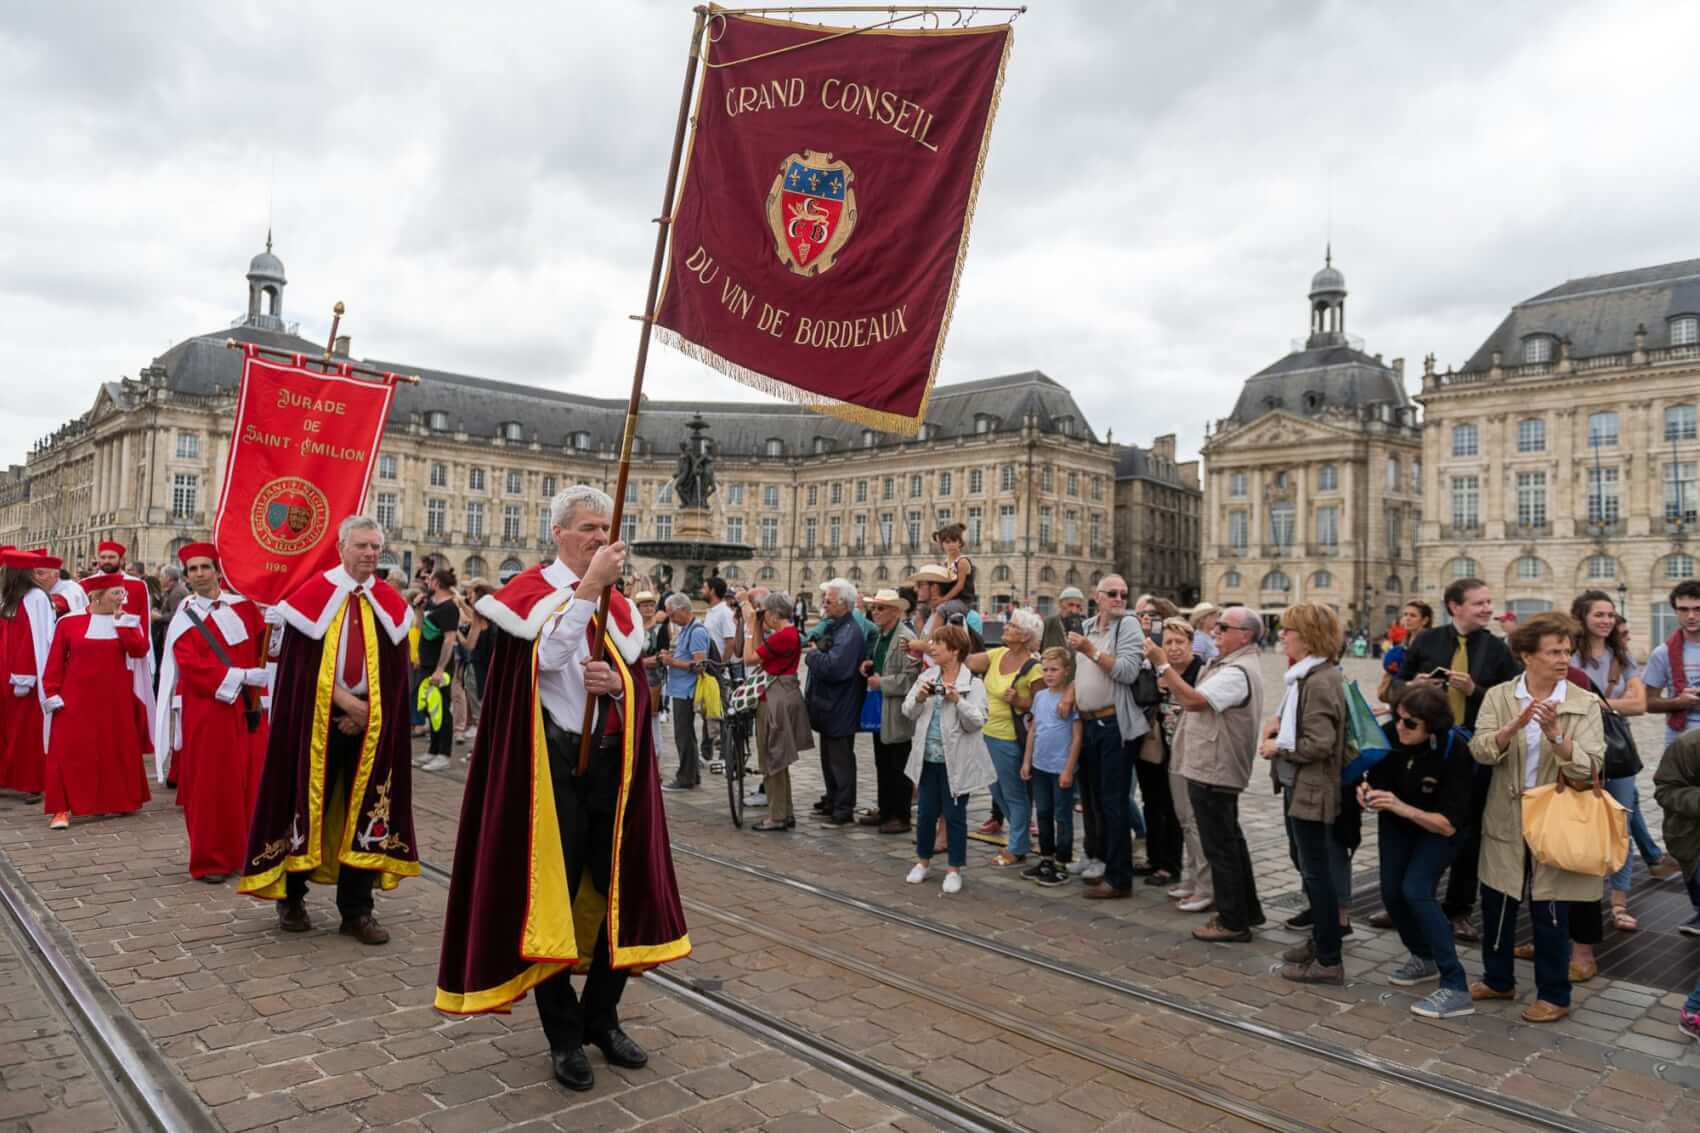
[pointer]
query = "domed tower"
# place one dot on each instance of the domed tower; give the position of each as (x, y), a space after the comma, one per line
(1327, 305)
(265, 289)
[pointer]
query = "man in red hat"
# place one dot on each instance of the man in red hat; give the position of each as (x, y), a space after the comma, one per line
(209, 732)
(26, 631)
(66, 596)
(110, 560)
(336, 794)
(97, 734)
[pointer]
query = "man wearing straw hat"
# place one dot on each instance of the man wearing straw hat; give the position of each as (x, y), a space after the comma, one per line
(891, 670)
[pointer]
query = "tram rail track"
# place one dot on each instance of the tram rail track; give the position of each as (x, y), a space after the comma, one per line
(144, 1091)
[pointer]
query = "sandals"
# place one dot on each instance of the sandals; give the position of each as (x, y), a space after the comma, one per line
(1005, 859)
(767, 824)
(1622, 920)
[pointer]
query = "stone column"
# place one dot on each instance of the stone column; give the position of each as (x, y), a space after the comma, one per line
(126, 474)
(1569, 503)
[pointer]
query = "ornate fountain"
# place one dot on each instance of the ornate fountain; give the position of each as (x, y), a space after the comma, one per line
(683, 561)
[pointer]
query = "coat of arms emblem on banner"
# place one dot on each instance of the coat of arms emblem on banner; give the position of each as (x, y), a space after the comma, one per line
(811, 210)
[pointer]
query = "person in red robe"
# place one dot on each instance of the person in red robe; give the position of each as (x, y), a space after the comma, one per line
(26, 631)
(336, 795)
(209, 732)
(557, 873)
(109, 563)
(97, 734)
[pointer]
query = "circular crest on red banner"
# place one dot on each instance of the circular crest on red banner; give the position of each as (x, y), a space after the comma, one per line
(811, 211)
(290, 515)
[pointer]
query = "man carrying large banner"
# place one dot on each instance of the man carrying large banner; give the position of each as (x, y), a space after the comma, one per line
(823, 222)
(301, 454)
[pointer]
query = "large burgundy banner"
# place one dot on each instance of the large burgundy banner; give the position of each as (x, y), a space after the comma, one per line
(823, 222)
(301, 455)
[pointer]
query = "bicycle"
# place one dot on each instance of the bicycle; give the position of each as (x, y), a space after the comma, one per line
(735, 732)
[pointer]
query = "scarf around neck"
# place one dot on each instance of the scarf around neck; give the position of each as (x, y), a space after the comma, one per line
(1288, 737)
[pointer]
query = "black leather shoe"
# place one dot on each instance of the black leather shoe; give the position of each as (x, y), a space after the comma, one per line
(292, 915)
(619, 1049)
(572, 1068)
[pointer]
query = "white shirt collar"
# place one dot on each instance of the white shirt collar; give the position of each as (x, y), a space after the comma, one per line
(559, 574)
(345, 581)
(1522, 690)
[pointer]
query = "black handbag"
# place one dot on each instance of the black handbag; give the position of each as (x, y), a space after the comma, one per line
(1622, 759)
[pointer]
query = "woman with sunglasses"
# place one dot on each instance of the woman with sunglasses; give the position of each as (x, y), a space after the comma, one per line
(1421, 790)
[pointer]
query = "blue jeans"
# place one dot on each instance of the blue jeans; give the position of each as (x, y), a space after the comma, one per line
(1552, 945)
(1625, 792)
(1412, 861)
(1115, 782)
(1315, 846)
(933, 798)
(1055, 804)
(1010, 792)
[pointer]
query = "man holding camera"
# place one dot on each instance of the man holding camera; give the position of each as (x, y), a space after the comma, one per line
(684, 663)
(1070, 616)
(1466, 659)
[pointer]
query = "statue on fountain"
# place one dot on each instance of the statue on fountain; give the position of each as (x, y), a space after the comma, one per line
(693, 480)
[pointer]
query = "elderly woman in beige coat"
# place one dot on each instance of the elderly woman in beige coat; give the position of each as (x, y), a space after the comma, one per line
(1530, 731)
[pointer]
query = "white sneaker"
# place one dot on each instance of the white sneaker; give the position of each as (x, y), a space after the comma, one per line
(1094, 870)
(953, 881)
(756, 801)
(1197, 905)
(917, 874)
(435, 763)
(1181, 892)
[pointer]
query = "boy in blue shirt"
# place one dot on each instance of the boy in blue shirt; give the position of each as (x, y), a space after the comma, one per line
(1053, 753)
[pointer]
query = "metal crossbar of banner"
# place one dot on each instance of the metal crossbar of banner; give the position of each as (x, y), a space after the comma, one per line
(854, 330)
(328, 360)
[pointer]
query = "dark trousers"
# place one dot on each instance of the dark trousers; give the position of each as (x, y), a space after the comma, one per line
(1312, 843)
(838, 766)
(353, 886)
(1412, 861)
(1462, 882)
(584, 812)
(933, 800)
(891, 783)
(1054, 804)
(685, 739)
(1552, 945)
(1091, 818)
(1115, 783)
(1162, 828)
(1217, 811)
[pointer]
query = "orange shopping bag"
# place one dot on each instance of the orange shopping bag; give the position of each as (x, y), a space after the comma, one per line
(1578, 829)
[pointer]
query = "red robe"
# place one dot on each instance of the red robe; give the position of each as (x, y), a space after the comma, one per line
(511, 920)
(137, 603)
(24, 641)
(201, 735)
(98, 734)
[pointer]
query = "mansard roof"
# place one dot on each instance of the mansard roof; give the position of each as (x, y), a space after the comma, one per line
(1309, 383)
(1598, 313)
(481, 406)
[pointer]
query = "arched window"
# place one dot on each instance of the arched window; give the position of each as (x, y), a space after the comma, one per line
(1529, 569)
(855, 574)
(1679, 567)
(1599, 566)
(1322, 580)
(768, 574)
(579, 441)
(1466, 440)
(1394, 584)
(883, 574)
(513, 431)
(1328, 478)
(1684, 330)
(387, 561)
(732, 572)
(437, 421)
(474, 567)
(808, 574)
(1232, 580)
(1000, 573)
(1537, 348)
(1047, 574)
(512, 566)
(775, 447)
(1462, 567)
(1276, 580)
(1072, 578)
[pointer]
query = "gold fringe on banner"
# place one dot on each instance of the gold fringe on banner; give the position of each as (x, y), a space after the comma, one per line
(898, 423)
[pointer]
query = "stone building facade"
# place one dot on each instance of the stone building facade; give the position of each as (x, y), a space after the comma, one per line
(1562, 456)
(1312, 486)
(1158, 512)
(467, 466)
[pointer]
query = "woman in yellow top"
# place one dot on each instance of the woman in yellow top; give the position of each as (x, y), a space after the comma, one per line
(1010, 672)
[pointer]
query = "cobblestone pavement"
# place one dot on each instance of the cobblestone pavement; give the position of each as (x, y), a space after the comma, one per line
(46, 1080)
(316, 1032)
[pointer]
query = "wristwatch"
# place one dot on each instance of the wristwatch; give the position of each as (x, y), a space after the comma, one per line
(1163, 668)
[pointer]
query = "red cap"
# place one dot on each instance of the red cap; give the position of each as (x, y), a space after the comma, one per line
(17, 560)
(45, 561)
(102, 582)
(197, 551)
(115, 548)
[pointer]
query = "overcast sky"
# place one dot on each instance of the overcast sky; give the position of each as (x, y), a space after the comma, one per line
(476, 183)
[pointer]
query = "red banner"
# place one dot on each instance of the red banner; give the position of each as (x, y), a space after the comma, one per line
(301, 456)
(823, 222)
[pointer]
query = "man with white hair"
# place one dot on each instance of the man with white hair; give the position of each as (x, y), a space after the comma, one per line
(834, 698)
(336, 796)
(558, 870)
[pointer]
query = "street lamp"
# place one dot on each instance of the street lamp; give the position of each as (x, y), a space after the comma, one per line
(1622, 598)
(1369, 595)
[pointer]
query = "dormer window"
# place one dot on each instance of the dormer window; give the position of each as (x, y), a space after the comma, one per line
(1685, 330)
(1537, 349)
(1065, 426)
(437, 421)
(775, 447)
(1313, 401)
(983, 422)
(579, 441)
(823, 444)
(867, 438)
(513, 431)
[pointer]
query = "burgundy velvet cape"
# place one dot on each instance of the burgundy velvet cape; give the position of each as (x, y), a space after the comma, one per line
(293, 805)
(509, 924)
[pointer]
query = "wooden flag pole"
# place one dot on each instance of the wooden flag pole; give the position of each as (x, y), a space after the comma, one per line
(661, 233)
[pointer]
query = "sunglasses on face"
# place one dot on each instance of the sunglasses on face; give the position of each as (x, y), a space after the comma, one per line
(1113, 593)
(1407, 722)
